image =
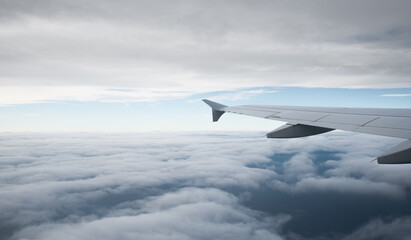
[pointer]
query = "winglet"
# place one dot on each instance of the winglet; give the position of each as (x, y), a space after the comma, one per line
(214, 105)
(218, 109)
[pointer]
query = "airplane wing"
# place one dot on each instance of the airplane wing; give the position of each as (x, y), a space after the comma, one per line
(307, 121)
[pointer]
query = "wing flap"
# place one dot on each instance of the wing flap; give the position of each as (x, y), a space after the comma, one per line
(390, 122)
(299, 115)
(358, 120)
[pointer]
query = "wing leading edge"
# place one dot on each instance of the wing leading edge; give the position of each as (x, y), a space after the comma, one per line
(307, 121)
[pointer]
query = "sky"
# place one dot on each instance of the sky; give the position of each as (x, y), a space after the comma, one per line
(103, 134)
(142, 65)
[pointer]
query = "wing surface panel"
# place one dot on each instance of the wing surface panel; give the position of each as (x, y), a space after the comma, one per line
(350, 119)
(307, 121)
(398, 112)
(393, 123)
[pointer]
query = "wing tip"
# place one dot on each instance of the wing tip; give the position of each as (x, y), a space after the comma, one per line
(217, 109)
(214, 105)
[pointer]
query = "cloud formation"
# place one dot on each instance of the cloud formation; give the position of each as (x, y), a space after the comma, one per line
(397, 95)
(379, 229)
(195, 186)
(241, 95)
(193, 47)
(190, 213)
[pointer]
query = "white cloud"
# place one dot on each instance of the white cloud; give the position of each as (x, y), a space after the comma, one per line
(198, 47)
(240, 95)
(192, 214)
(27, 95)
(180, 185)
(396, 95)
(349, 185)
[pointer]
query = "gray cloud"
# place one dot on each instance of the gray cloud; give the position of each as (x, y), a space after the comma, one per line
(397, 228)
(187, 214)
(199, 46)
(223, 185)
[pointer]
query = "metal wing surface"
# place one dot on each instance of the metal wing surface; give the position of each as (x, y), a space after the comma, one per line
(306, 121)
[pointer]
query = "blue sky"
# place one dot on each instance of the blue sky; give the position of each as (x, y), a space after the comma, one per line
(188, 113)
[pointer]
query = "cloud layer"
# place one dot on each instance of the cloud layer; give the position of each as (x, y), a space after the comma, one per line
(192, 47)
(198, 186)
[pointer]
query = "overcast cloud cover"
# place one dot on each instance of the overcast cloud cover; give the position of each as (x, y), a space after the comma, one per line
(200, 186)
(93, 50)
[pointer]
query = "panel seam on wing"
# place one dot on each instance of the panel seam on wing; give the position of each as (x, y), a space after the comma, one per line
(370, 121)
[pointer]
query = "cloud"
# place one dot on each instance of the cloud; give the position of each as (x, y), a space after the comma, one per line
(32, 114)
(344, 185)
(240, 95)
(23, 95)
(187, 214)
(396, 95)
(236, 185)
(194, 47)
(397, 228)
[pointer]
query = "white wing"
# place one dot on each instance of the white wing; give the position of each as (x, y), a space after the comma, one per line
(306, 121)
